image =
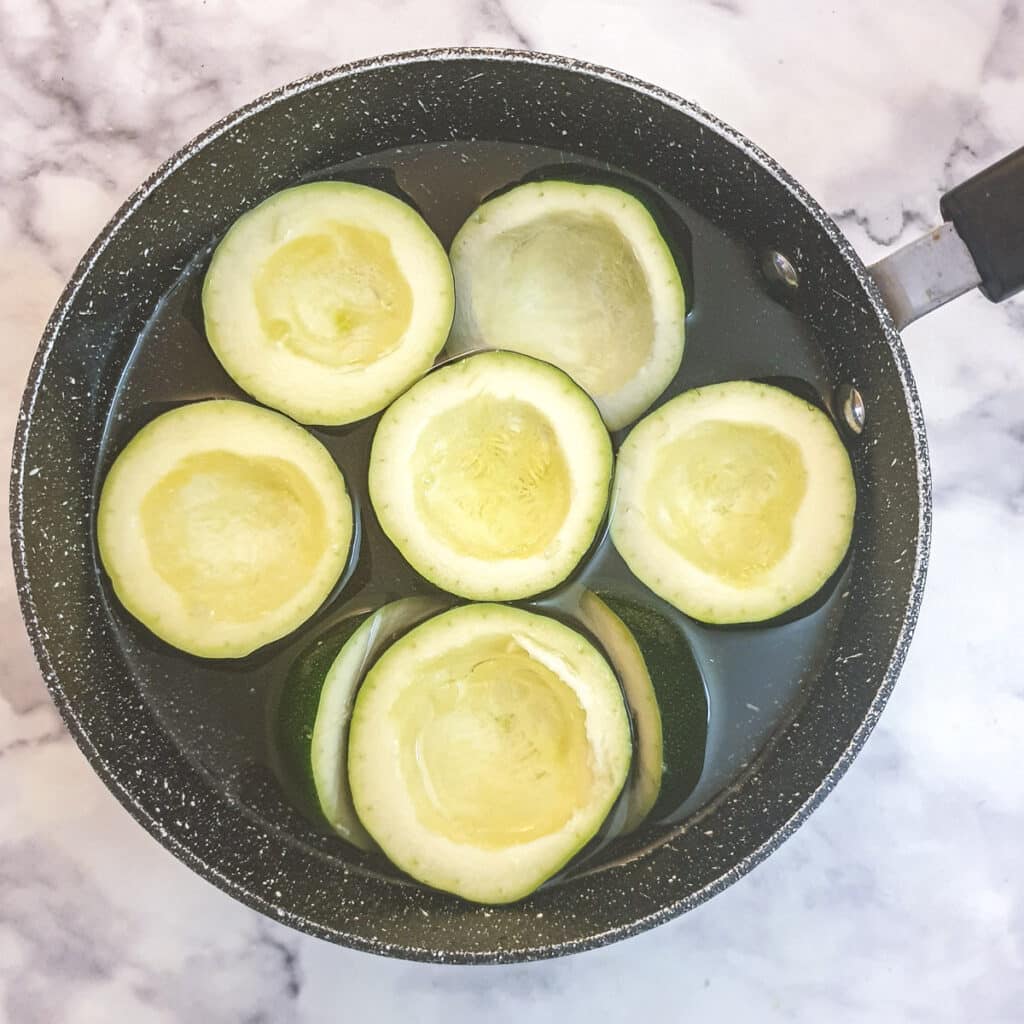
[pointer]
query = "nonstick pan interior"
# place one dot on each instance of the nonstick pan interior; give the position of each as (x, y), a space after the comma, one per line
(174, 738)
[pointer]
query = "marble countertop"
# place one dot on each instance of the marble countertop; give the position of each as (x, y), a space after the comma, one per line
(902, 898)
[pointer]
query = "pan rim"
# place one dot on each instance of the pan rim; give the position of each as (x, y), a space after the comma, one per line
(204, 866)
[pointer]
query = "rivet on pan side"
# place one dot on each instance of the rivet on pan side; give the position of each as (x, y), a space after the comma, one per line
(779, 270)
(852, 406)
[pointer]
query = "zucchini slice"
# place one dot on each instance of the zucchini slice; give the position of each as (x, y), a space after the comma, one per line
(681, 696)
(293, 714)
(578, 275)
(628, 661)
(329, 746)
(327, 300)
(223, 527)
(491, 476)
(734, 502)
(486, 748)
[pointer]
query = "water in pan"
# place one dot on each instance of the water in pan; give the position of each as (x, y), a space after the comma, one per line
(224, 715)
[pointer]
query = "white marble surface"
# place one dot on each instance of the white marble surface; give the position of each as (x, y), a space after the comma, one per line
(903, 897)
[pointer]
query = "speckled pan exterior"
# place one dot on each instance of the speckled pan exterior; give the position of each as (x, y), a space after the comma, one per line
(320, 121)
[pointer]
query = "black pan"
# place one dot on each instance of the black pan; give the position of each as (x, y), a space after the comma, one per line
(778, 294)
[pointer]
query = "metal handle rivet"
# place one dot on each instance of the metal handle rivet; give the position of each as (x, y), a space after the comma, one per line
(779, 270)
(852, 406)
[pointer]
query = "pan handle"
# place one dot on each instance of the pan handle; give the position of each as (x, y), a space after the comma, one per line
(980, 245)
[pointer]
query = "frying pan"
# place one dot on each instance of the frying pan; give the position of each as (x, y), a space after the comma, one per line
(160, 759)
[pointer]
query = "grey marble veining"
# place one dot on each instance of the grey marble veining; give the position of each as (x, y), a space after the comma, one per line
(901, 898)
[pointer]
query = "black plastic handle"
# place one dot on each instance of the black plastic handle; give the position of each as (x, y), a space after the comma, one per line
(988, 213)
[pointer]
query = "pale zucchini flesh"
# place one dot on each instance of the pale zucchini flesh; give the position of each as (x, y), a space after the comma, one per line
(578, 275)
(327, 300)
(491, 476)
(734, 502)
(486, 748)
(223, 527)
